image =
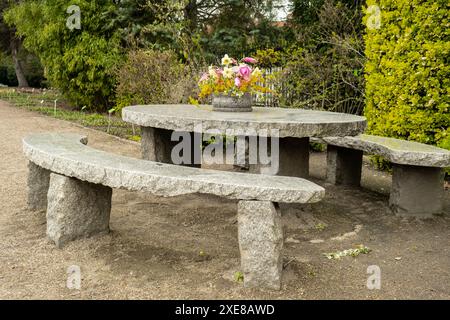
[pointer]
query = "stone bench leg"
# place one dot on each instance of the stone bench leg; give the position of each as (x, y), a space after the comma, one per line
(156, 145)
(38, 183)
(344, 166)
(416, 191)
(260, 243)
(76, 209)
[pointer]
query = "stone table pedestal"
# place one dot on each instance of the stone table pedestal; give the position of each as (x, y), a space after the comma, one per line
(157, 145)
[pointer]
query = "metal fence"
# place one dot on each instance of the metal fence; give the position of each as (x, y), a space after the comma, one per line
(271, 99)
(281, 93)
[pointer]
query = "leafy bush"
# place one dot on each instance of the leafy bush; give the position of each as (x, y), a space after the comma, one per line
(408, 71)
(79, 62)
(269, 58)
(153, 77)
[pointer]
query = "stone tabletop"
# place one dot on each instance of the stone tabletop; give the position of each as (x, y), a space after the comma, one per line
(298, 123)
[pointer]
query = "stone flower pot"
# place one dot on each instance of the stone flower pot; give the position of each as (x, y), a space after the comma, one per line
(226, 103)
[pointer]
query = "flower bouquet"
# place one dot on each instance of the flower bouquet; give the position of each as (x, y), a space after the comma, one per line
(232, 85)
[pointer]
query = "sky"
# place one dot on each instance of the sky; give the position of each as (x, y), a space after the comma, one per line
(282, 12)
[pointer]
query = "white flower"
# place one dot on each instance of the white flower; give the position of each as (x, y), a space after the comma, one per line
(226, 60)
(228, 72)
(212, 72)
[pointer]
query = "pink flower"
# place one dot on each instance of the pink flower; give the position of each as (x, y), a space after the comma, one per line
(204, 77)
(245, 71)
(249, 60)
(237, 82)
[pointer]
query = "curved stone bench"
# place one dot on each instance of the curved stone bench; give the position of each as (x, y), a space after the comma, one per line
(417, 180)
(74, 182)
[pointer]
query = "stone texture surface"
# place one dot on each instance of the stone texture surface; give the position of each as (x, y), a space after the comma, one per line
(65, 155)
(344, 166)
(76, 209)
(297, 123)
(260, 243)
(232, 104)
(416, 191)
(395, 150)
(38, 182)
(241, 153)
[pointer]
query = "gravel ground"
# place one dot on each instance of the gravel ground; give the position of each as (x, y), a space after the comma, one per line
(153, 251)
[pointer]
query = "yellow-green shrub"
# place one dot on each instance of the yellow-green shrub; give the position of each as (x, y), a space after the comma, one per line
(408, 71)
(153, 77)
(268, 58)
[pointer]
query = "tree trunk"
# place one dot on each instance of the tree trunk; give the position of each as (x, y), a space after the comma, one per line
(15, 45)
(190, 14)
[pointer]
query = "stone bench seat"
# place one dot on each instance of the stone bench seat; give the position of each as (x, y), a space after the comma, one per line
(417, 177)
(74, 183)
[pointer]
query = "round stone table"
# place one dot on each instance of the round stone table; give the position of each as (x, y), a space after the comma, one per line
(293, 127)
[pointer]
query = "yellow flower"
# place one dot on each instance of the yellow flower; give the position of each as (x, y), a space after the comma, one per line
(257, 73)
(226, 60)
(228, 72)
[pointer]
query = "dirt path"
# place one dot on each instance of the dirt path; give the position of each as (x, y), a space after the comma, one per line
(154, 249)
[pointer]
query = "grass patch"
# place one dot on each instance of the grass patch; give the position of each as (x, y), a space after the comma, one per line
(320, 227)
(52, 104)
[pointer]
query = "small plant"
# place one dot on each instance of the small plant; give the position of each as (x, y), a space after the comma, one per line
(238, 276)
(135, 138)
(361, 249)
(233, 78)
(380, 163)
(202, 256)
(317, 147)
(312, 273)
(320, 226)
(193, 101)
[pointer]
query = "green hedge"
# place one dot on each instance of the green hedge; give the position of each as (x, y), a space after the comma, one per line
(408, 71)
(80, 63)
